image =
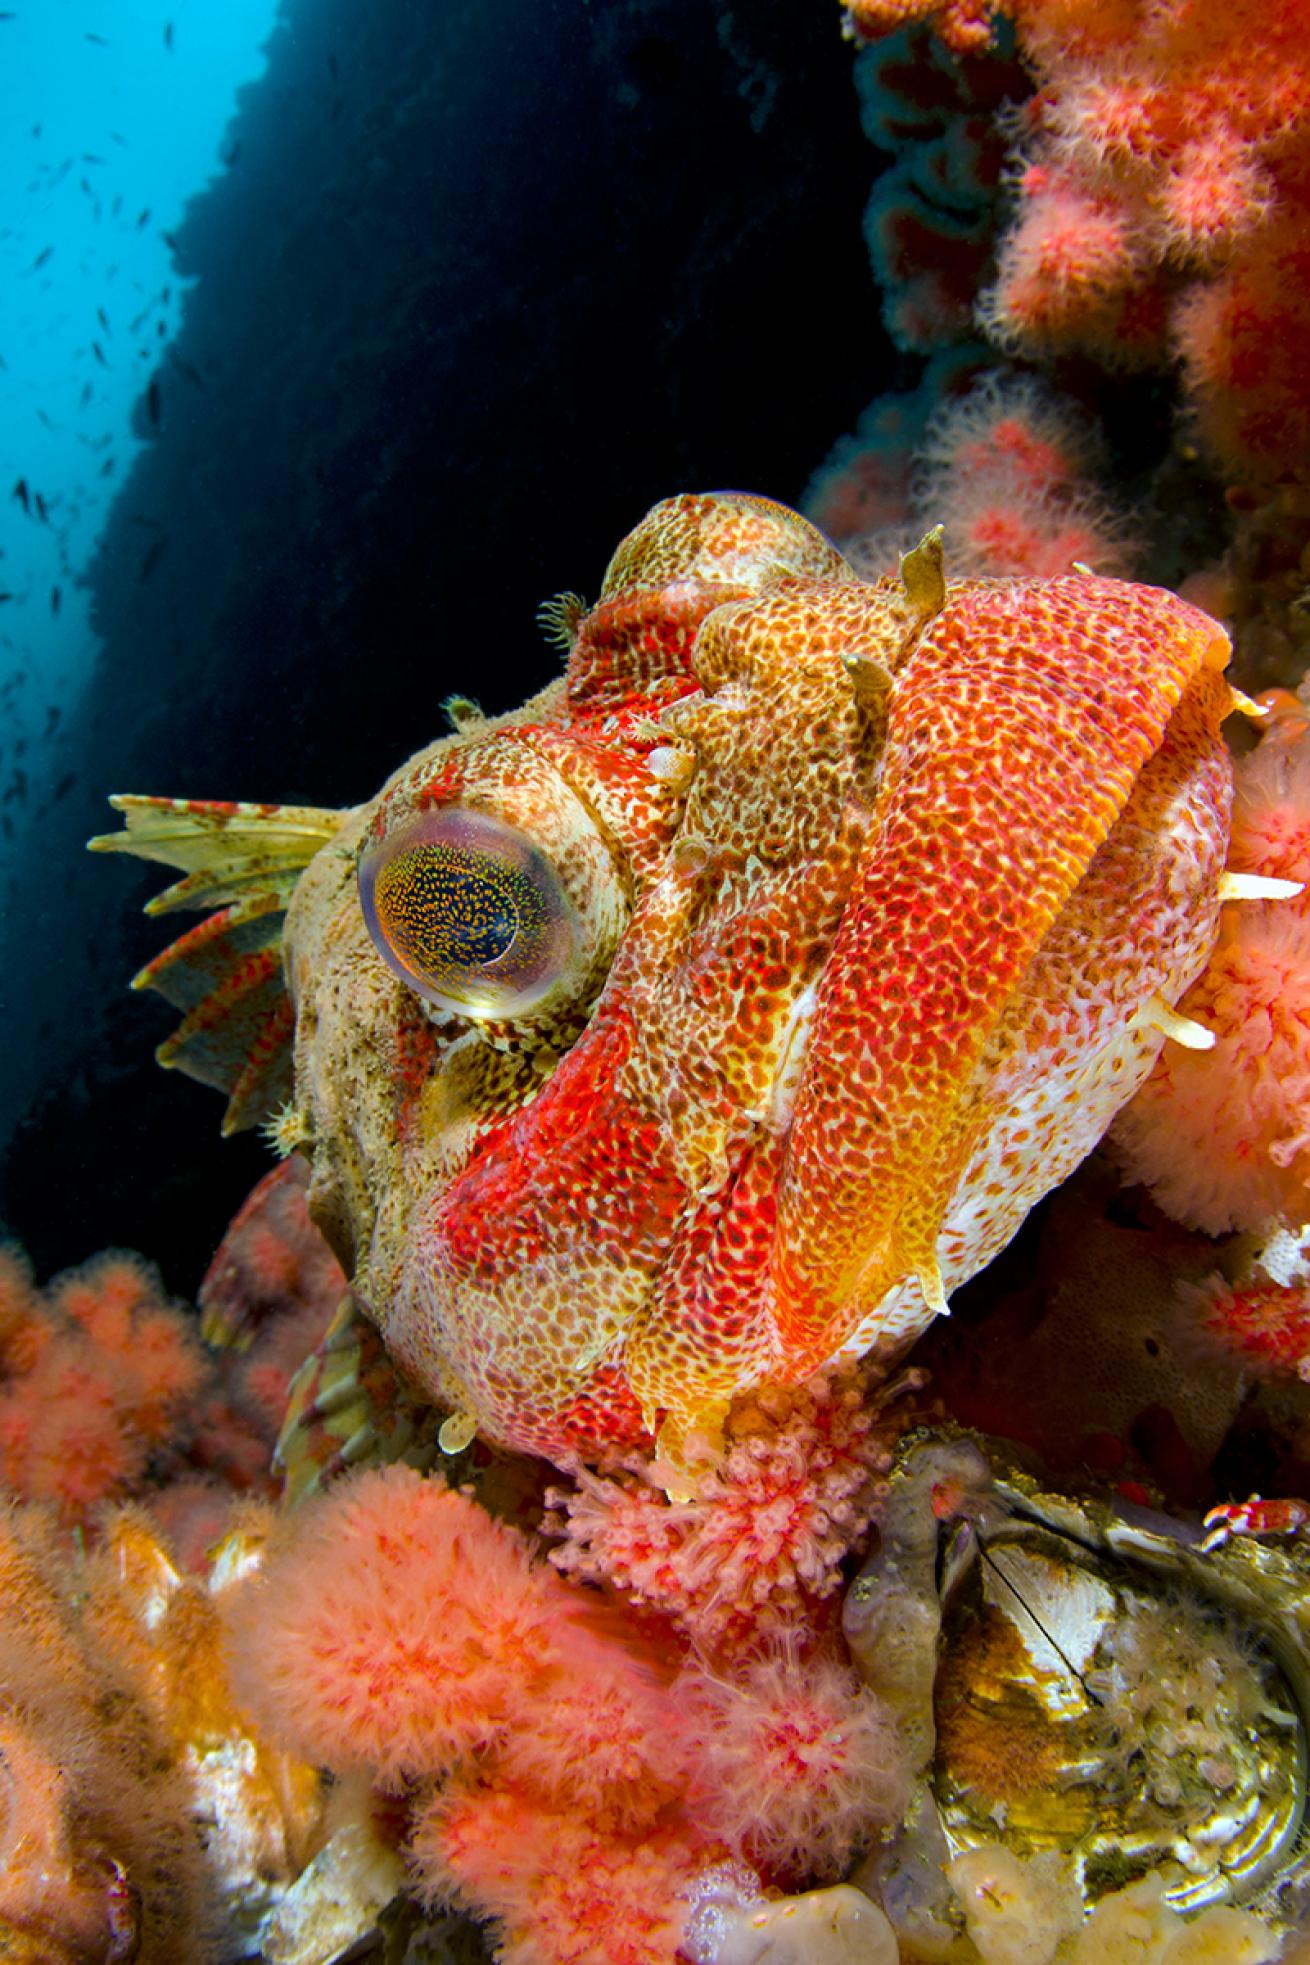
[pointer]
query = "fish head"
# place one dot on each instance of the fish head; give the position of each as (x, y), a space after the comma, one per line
(714, 1014)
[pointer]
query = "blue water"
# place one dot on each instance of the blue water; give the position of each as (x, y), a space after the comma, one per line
(111, 117)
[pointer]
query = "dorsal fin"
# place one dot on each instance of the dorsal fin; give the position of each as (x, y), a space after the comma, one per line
(225, 974)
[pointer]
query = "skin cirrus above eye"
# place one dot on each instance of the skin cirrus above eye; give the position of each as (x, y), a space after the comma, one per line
(469, 913)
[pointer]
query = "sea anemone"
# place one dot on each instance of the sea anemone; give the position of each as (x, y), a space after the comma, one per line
(561, 1892)
(1266, 1325)
(395, 1627)
(796, 1762)
(1222, 1137)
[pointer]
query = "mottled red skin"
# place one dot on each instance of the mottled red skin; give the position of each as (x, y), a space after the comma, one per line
(876, 882)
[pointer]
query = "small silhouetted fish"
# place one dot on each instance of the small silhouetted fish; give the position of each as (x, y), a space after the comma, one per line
(7, 824)
(8, 16)
(64, 786)
(52, 716)
(169, 241)
(42, 417)
(41, 511)
(99, 40)
(144, 218)
(153, 403)
(89, 157)
(107, 468)
(229, 153)
(193, 375)
(55, 598)
(4, 598)
(87, 392)
(117, 205)
(168, 35)
(119, 139)
(103, 319)
(99, 354)
(42, 257)
(20, 493)
(86, 187)
(153, 556)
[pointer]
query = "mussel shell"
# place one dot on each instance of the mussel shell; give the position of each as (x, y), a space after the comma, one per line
(1082, 1676)
(1090, 1707)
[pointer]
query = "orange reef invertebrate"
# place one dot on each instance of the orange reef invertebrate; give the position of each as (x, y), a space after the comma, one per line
(396, 1627)
(557, 1775)
(335, 1643)
(1223, 1138)
(1012, 467)
(95, 1372)
(795, 1763)
(1164, 199)
(601, 1117)
(758, 1549)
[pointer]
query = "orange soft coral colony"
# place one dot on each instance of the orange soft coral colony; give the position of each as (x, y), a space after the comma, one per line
(718, 1012)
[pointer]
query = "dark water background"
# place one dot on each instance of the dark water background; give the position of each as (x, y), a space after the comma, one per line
(479, 284)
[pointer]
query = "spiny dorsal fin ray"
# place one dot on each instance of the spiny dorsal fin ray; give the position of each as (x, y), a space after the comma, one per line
(225, 974)
(195, 834)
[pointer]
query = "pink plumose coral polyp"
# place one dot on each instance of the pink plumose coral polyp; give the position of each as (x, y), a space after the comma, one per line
(1010, 465)
(763, 1541)
(1266, 1325)
(1222, 1137)
(561, 1892)
(1271, 806)
(1069, 255)
(95, 1374)
(387, 1630)
(1212, 191)
(1164, 201)
(795, 1763)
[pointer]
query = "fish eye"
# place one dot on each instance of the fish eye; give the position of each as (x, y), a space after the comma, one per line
(469, 913)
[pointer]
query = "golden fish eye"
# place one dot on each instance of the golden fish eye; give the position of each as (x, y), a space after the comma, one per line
(469, 913)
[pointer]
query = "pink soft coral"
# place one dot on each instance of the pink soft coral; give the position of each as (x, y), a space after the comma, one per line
(1164, 199)
(1271, 805)
(796, 1763)
(561, 1893)
(761, 1545)
(396, 1627)
(1222, 1137)
(1011, 467)
(1263, 1324)
(97, 1373)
